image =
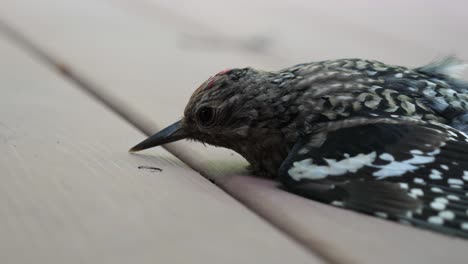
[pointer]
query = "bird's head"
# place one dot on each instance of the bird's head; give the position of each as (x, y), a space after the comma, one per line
(223, 111)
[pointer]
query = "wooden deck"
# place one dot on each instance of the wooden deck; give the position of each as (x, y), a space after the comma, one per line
(82, 81)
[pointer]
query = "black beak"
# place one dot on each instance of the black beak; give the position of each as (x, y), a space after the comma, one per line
(170, 134)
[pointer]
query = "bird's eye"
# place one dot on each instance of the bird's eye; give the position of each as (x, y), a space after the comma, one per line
(206, 116)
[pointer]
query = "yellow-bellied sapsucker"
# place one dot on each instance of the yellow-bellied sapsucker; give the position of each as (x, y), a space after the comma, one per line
(384, 140)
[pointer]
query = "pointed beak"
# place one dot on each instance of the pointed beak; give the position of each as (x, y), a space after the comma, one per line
(170, 134)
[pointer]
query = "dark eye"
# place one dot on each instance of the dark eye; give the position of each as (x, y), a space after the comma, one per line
(205, 116)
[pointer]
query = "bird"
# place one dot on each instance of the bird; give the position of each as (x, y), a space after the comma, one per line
(384, 140)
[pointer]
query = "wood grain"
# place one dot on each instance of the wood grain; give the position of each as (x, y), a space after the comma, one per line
(398, 32)
(344, 236)
(70, 192)
(151, 55)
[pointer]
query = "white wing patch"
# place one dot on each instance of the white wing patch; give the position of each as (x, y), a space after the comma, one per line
(465, 176)
(305, 169)
(398, 168)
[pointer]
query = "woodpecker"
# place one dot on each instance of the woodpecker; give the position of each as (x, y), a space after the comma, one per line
(384, 140)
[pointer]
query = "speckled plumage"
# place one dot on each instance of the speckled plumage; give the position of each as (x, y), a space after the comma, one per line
(384, 140)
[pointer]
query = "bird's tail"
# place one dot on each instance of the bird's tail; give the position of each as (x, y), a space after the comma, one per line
(449, 94)
(450, 66)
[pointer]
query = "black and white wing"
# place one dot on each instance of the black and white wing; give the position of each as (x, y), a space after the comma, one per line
(411, 173)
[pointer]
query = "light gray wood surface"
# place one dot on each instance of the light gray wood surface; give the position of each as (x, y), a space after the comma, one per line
(342, 236)
(70, 192)
(399, 32)
(152, 54)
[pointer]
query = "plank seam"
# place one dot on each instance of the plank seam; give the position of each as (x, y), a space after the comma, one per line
(147, 127)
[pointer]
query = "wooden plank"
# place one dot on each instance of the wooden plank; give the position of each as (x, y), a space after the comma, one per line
(163, 66)
(399, 32)
(70, 192)
(344, 236)
(153, 55)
